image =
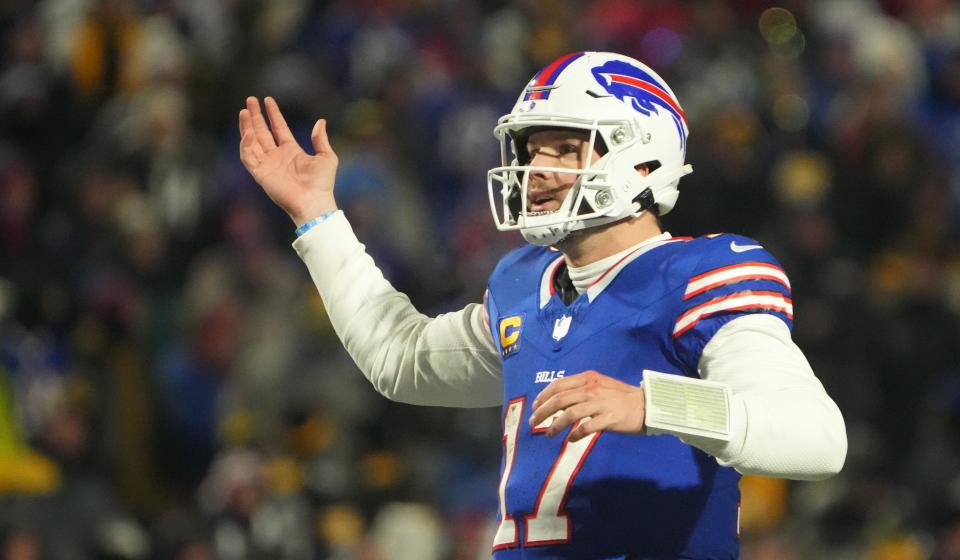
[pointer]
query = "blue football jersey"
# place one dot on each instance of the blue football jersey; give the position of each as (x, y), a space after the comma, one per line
(614, 495)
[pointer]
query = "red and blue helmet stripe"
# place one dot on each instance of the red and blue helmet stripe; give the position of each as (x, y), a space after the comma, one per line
(540, 86)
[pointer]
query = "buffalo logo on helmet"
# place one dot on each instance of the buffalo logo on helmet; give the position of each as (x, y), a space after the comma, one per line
(646, 94)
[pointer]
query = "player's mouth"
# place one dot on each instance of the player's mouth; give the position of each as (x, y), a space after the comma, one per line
(542, 203)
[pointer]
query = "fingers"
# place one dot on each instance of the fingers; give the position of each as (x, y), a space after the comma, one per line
(321, 143)
(245, 122)
(560, 401)
(251, 118)
(245, 148)
(250, 151)
(264, 137)
(572, 415)
(589, 426)
(277, 122)
(564, 384)
(578, 381)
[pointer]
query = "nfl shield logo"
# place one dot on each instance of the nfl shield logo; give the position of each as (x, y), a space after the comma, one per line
(561, 326)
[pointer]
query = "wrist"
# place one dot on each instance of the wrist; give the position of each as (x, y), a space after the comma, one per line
(319, 208)
(640, 407)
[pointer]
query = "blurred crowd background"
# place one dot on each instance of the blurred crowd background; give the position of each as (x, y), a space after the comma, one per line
(170, 386)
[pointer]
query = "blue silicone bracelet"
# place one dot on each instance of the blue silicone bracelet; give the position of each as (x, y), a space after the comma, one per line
(310, 225)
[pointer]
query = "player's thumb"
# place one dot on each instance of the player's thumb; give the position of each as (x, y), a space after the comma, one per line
(318, 136)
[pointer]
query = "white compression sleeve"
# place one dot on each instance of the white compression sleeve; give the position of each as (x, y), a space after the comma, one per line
(782, 422)
(449, 360)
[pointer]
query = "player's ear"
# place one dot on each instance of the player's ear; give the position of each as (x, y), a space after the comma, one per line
(647, 168)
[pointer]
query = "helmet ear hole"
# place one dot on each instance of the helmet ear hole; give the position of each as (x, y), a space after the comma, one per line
(649, 166)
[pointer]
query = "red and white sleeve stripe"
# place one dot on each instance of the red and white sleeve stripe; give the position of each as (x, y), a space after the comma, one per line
(739, 301)
(735, 273)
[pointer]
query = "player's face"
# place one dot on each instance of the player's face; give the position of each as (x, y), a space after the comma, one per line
(555, 148)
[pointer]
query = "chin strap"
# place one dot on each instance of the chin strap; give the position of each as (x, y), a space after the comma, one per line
(644, 200)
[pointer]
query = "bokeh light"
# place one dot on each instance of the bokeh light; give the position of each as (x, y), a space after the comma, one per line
(661, 46)
(791, 112)
(777, 25)
(779, 28)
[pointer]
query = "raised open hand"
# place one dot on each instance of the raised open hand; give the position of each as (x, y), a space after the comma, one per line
(299, 183)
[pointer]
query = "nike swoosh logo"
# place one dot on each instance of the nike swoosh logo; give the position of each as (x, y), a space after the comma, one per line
(742, 248)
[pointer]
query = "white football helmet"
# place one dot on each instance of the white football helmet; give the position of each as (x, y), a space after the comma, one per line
(632, 117)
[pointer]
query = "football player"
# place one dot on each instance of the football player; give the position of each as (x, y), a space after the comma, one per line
(639, 374)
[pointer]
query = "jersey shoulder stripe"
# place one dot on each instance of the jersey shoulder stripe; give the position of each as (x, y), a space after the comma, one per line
(739, 301)
(740, 272)
(729, 275)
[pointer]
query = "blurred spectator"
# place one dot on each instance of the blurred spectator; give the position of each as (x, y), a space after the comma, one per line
(19, 544)
(106, 52)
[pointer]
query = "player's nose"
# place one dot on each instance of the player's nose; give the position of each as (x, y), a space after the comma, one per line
(538, 184)
(539, 175)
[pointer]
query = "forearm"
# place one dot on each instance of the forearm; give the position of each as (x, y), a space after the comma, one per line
(781, 421)
(408, 357)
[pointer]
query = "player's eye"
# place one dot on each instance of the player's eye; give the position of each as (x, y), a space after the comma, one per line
(569, 153)
(566, 153)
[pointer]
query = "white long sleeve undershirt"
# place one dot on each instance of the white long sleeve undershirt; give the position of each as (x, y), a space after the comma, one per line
(782, 422)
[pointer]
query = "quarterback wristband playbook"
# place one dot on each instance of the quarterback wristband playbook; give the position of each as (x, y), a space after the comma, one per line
(682, 405)
(310, 224)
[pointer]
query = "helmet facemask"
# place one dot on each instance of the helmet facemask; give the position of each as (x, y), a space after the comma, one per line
(599, 195)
